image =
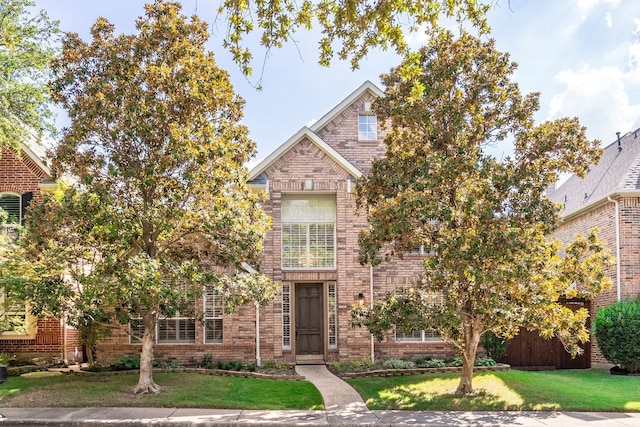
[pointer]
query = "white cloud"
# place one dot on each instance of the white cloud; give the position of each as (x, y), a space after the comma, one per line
(587, 5)
(598, 96)
(637, 30)
(608, 19)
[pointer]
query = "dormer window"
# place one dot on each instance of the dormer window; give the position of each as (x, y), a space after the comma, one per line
(367, 127)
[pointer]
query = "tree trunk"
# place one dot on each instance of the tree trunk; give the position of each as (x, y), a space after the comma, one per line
(471, 341)
(145, 381)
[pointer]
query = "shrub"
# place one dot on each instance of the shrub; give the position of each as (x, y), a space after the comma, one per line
(616, 330)
(494, 345)
(427, 362)
(207, 361)
(127, 362)
(4, 358)
(398, 364)
(485, 361)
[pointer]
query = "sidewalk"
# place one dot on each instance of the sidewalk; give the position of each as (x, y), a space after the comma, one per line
(343, 407)
(172, 417)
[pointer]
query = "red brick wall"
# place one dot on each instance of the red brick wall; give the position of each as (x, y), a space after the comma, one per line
(289, 174)
(603, 217)
(19, 174)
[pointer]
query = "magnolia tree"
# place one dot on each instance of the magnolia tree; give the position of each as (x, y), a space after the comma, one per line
(159, 205)
(483, 220)
(351, 27)
(26, 48)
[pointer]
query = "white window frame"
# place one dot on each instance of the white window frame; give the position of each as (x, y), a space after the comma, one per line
(213, 313)
(17, 310)
(286, 315)
(416, 335)
(19, 197)
(136, 324)
(178, 329)
(314, 216)
(367, 127)
(332, 314)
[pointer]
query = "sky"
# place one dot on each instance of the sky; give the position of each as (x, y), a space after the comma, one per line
(583, 56)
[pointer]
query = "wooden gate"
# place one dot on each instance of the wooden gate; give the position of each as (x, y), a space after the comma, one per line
(529, 351)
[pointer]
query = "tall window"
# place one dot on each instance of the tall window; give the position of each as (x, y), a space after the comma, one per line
(213, 311)
(286, 316)
(417, 335)
(13, 316)
(367, 127)
(332, 312)
(308, 231)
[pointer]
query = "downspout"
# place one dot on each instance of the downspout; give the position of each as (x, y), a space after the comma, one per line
(257, 334)
(63, 321)
(373, 356)
(617, 244)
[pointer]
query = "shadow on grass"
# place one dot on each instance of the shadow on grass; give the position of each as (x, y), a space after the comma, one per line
(577, 390)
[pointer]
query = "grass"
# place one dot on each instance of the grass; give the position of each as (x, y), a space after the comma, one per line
(561, 390)
(181, 390)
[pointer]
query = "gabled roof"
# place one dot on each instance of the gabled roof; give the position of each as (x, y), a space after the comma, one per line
(617, 173)
(37, 159)
(305, 132)
(367, 86)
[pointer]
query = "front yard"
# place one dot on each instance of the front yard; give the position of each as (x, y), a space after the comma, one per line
(561, 390)
(182, 390)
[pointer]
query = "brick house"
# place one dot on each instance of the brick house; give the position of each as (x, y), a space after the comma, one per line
(608, 198)
(23, 178)
(312, 251)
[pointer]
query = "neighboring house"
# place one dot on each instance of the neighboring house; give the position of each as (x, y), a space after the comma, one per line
(23, 177)
(312, 250)
(608, 198)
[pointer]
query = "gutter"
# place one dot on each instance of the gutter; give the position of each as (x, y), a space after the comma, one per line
(618, 285)
(373, 356)
(598, 202)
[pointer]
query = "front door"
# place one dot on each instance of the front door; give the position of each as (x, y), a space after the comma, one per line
(309, 320)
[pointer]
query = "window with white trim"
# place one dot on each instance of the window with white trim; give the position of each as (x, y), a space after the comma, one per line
(286, 315)
(417, 335)
(176, 330)
(332, 312)
(13, 317)
(308, 231)
(367, 127)
(12, 206)
(213, 312)
(171, 330)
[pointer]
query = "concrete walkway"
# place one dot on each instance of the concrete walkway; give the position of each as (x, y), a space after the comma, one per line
(341, 401)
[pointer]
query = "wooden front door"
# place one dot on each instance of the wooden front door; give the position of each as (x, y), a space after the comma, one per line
(309, 320)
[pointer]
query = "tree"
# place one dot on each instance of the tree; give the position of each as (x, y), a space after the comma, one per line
(8, 299)
(26, 49)
(160, 206)
(484, 219)
(357, 25)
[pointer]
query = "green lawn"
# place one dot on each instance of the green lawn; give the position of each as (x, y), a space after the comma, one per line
(576, 390)
(184, 390)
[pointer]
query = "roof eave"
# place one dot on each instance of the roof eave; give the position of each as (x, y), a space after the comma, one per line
(599, 202)
(302, 133)
(367, 86)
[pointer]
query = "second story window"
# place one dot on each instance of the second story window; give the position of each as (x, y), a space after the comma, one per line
(308, 231)
(367, 127)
